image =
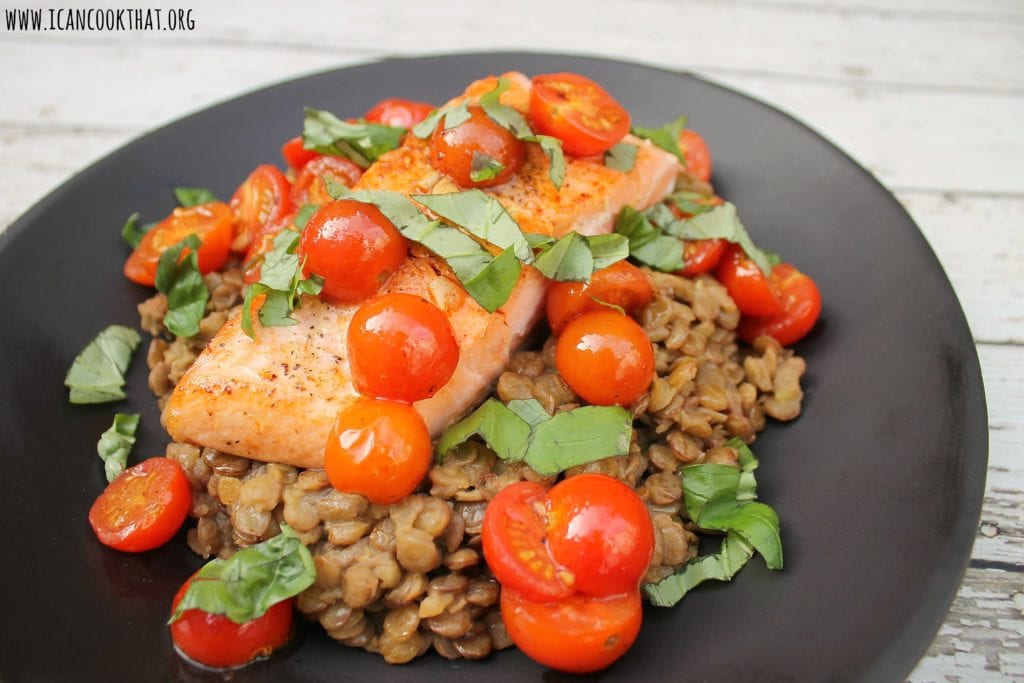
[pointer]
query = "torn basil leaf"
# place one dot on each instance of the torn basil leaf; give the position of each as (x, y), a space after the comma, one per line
(691, 203)
(303, 215)
(621, 157)
(482, 215)
(719, 222)
(361, 143)
(511, 120)
(132, 232)
(502, 429)
(97, 373)
(484, 167)
(193, 196)
(116, 443)
(721, 566)
(575, 257)
(283, 284)
(180, 280)
(647, 244)
(451, 115)
(552, 147)
(250, 582)
(666, 137)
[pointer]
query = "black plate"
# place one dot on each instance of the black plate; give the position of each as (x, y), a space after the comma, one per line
(878, 484)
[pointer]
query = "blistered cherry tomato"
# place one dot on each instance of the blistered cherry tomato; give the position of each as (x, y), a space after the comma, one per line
(296, 155)
(258, 204)
(749, 288)
(464, 152)
(620, 284)
(215, 641)
(696, 153)
(398, 112)
(310, 188)
(801, 305)
(606, 358)
(577, 111)
(211, 223)
(401, 347)
(143, 508)
(353, 247)
(578, 634)
(701, 256)
(378, 449)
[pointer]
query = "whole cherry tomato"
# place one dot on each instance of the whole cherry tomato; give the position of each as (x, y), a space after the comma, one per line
(401, 347)
(310, 188)
(606, 358)
(696, 153)
(258, 204)
(477, 152)
(620, 284)
(353, 247)
(215, 641)
(577, 111)
(211, 223)
(701, 256)
(397, 112)
(749, 288)
(578, 634)
(143, 508)
(378, 449)
(296, 155)
(801, 305)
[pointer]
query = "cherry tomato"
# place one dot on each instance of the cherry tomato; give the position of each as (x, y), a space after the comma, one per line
(401, 347)
(701, 256)
(353, 247)
(696, 153)
(211, 223)
(398, 112)
(577, 111)
(216, 641)
(134, 271)
(464, 150)
(296, 155)
(253, 263)
(606, 358)
(378, 449)
(258, 204)
(620, 284)
(801, 305)
(143, 508)
(578, 634)
(310, 188)
(747, 285)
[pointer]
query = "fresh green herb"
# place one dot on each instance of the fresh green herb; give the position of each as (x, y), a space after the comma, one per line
(193, 196)
(116, 443)
(282, 283)
(549, 444)
(621, 157)
(666, 137)
(552, 147)
(180, 279)
(484, 167)
(244, 586)
(721, 566)
(303, 215)
(452, 116)
(97, 374)
(132, 232)
(575, 257)
(692, 203)
(481, 215)
(647, 244)
(719, 222)
(362, 143)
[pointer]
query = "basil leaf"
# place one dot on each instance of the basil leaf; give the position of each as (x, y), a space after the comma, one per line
(132, 232)
(502, 429)
(720, 222)
(193, 196)
(709, 488)
(621, 157)
(505, 116)
(552, 147)
(647, 244)
(692, 203)
(568, 259)
(282, 281)
(607, 249)
(747, 487)
(492, 286)
(244, 586)
(457, 115)
(116, 443)
(303, 215)
(529, 409)
(97, 373)
(180, 279)
(757, 523)
(361, 143)
(452, 116)
(482, 215)
(281, 262)
(483, 167)
(666, 137)
(426, 127)
(721, 566)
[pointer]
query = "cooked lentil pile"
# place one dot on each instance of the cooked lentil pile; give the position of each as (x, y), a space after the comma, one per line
(401, 579)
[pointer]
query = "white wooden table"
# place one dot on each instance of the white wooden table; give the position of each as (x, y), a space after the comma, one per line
(928, 94)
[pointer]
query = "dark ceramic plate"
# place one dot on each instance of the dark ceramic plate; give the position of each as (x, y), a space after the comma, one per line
(878, 484)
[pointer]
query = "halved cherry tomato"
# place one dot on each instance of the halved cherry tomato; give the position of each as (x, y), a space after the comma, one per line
(211, 223)
(606, 358)
(253, 263)
(398, 112)
(578, 634)
(701, 256)
(620, 284)
(258, 204)
(801, 305)
(143, 508)
(378, 449)
(215, 641)
(353, 247)
(310, 188)
(134, 271)
(696, 153)
(747, 285)
(463, 152)
(577, 111)
(296, 155)
(401, 347)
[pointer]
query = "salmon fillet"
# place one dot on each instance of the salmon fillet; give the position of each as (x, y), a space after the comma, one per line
(276, 399)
